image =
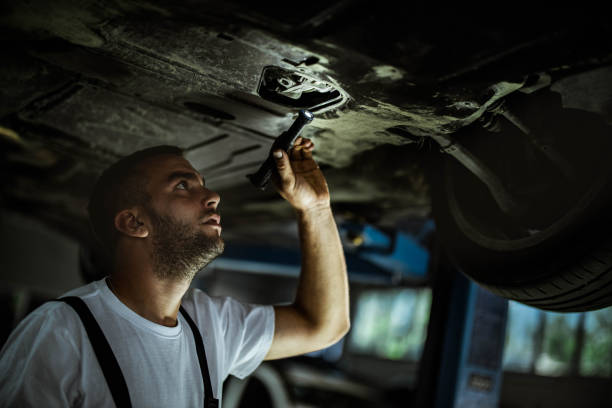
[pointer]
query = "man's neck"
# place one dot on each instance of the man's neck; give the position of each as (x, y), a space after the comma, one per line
(154, 299)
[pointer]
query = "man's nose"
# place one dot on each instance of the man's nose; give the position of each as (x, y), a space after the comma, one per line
(210, 199)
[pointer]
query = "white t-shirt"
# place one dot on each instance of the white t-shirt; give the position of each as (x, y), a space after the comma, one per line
(48, 360)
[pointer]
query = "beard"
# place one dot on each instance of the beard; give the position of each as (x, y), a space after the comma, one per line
(180, 250)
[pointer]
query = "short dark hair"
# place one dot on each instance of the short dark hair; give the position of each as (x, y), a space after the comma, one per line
(120, 186)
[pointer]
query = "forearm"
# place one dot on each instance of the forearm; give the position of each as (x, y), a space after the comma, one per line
(320, 314)
(322, 295)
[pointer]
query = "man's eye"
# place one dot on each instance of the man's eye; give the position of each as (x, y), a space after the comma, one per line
(182, 185)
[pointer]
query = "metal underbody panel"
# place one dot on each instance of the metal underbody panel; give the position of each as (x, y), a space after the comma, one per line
(84, 83)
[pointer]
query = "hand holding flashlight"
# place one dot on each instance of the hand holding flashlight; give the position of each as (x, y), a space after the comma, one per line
(261, 178)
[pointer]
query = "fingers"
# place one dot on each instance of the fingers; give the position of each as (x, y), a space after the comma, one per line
(302, 149)
(307, 150)
(285, 172)
(296, 150)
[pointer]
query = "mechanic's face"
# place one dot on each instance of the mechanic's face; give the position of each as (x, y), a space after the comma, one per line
(184, 225)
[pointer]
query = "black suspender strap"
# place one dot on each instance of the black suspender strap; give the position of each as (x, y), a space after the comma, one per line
(209, 400)
(104, 353)
(110, 366)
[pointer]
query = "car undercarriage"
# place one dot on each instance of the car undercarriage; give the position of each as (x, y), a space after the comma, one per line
(468, 106)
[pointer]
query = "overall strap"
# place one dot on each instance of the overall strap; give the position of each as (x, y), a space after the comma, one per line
(209, 400)
(104, 353)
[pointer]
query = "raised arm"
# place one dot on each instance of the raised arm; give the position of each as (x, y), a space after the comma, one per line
(319, 315)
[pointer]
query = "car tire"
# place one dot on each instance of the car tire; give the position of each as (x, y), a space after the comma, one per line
(565, 266)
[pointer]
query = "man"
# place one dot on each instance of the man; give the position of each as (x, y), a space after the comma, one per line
(159, 221)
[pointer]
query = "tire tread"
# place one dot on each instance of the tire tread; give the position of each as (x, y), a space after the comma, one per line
(585, 286)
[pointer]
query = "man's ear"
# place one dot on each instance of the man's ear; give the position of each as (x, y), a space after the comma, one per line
(130, 223)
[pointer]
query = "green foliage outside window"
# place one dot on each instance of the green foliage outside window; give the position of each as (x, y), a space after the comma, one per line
(558, 344)
(597, 352)
(391, 324)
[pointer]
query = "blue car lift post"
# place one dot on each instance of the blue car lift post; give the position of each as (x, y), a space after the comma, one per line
(462, 361)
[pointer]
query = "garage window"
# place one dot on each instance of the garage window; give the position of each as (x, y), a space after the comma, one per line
(558, 344)
(391, 324)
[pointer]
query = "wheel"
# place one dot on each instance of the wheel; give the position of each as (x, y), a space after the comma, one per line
(556, 253)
